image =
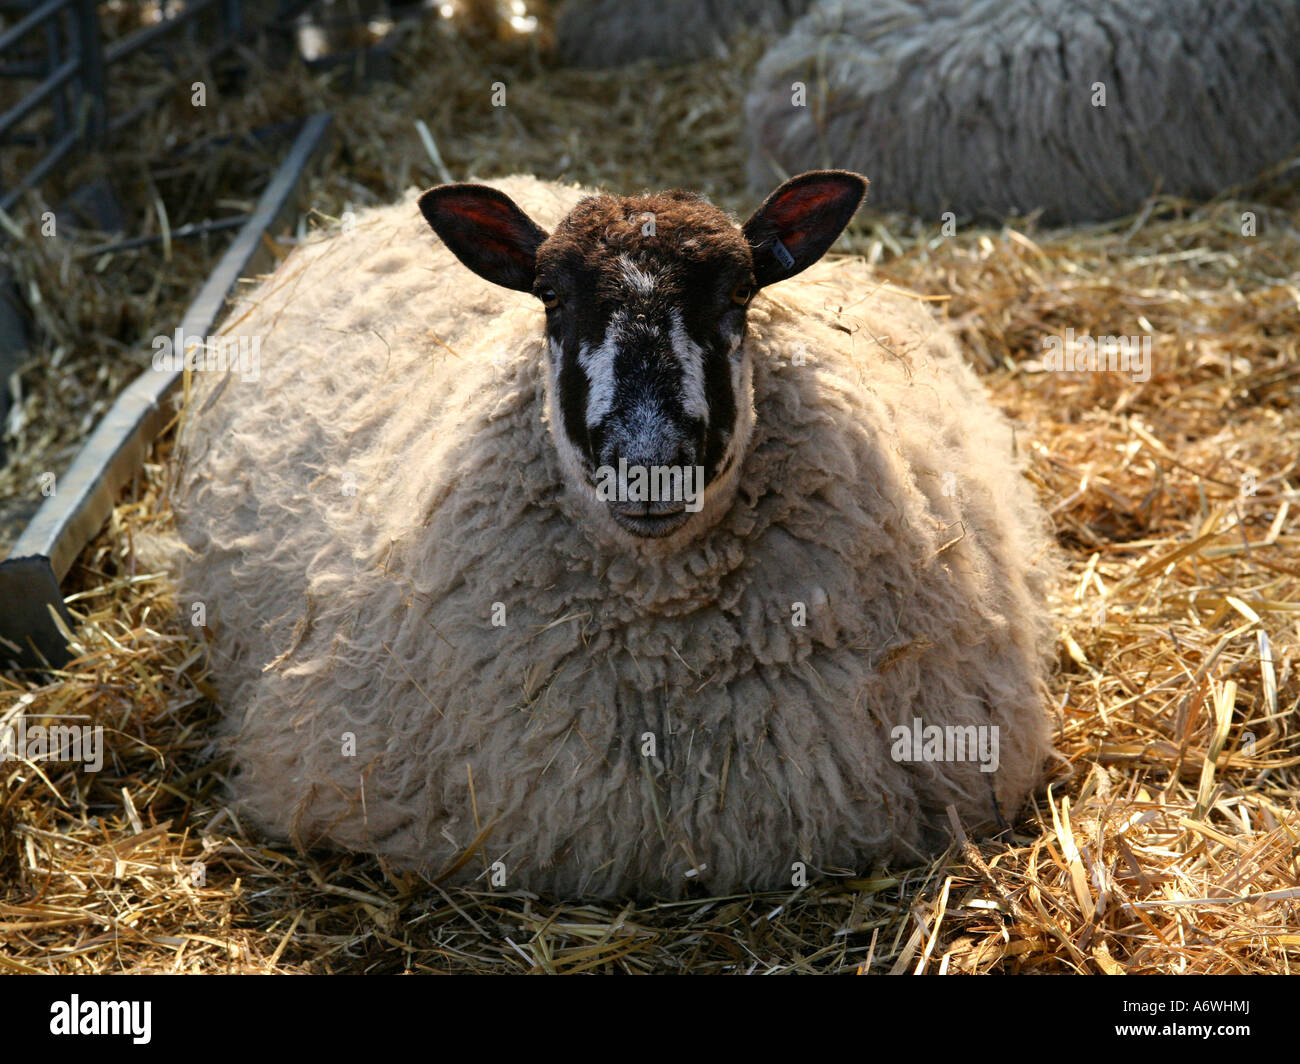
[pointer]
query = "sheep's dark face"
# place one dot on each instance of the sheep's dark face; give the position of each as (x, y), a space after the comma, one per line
(650, 385)
(645, 316)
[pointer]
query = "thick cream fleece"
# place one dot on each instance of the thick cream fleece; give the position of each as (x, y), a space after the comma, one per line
(421, 648)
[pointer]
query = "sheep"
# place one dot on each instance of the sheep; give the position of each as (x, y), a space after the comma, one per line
(452, 623)
(1079, 108)
(606, 33)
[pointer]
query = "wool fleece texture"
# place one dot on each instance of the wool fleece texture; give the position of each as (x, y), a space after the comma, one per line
(421, 648)
(1080, 108)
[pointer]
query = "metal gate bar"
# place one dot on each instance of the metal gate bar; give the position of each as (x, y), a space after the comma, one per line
(77, 60)
(57, 76)
(29, 580)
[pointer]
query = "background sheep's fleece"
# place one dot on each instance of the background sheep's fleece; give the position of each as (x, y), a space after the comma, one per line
(985, 107)
(353, 516)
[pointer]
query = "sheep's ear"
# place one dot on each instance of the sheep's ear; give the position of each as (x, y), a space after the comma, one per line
(799, 222)
(487, 231)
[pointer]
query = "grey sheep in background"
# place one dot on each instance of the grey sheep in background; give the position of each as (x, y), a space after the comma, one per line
(604, 33)
(991, 107)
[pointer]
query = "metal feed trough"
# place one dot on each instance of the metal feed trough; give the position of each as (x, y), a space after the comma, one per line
(35, 626)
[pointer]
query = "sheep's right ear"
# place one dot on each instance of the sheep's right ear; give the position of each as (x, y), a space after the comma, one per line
(797, 224)
(487, 231)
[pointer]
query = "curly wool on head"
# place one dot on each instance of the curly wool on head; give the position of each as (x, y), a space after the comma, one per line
(392, 556)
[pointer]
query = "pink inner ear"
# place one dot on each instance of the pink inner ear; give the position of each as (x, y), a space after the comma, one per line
(499, 246)
(794, 208)
(485, 214)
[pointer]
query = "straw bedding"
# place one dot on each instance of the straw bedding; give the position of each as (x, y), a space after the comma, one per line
(1167, 840)
(608, 33)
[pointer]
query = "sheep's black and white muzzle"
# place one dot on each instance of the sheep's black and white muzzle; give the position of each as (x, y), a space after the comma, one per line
(647, 379)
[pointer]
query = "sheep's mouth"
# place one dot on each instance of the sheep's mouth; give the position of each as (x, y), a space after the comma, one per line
(649, 520)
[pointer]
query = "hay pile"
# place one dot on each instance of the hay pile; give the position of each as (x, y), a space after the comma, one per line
(609, 33)
(1168, 841)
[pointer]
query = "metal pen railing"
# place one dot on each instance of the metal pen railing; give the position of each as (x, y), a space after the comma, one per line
(59, 44)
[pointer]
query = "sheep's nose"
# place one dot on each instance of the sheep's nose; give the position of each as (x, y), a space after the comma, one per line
(653, 452)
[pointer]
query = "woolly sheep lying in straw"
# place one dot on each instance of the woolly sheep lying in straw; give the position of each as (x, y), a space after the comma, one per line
(1083, 108)
(444, 635)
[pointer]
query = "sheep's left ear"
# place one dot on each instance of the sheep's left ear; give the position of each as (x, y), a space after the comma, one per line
(487, 231)
(799, 222)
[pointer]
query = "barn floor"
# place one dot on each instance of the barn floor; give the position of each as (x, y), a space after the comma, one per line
(1168, 839)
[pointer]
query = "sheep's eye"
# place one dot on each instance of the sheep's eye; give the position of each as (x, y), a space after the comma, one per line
(548, 297)
(742, 294)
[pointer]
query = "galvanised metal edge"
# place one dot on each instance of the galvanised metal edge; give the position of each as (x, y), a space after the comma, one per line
(68, 520)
